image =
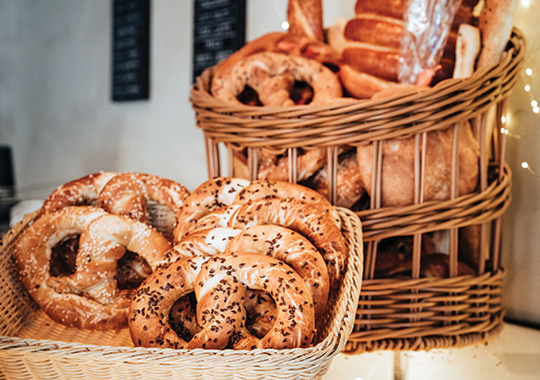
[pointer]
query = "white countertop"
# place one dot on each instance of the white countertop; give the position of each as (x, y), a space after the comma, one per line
(514, 354)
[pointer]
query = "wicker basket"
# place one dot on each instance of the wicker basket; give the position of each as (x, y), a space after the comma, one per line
(32, 346)
(413, 312)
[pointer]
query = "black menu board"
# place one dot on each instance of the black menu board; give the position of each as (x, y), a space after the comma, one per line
(219, 29)
(130, 49)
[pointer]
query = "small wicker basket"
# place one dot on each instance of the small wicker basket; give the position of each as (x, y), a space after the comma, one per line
(411, 312)
(34, 347)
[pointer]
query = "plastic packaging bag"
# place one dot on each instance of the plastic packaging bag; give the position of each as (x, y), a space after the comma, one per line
(427, 26)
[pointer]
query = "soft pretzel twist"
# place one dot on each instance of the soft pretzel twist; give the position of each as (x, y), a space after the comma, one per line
(294, 214)
(209, 196)
(32, 258)
(264, 71)
(127, 194)
(102, 244)
(294, 250)
(224, 279)
(79, 192)
(267, 189)
(150, 310)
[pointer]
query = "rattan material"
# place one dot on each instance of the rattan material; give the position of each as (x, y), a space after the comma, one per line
(355, 122)
(32, 346)
(427, 313)
(401, 313)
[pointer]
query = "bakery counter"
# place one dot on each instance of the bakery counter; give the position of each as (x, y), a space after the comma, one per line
(514, 354)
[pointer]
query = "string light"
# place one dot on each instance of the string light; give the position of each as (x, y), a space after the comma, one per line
(528, 71)
(527, 88)
(525, 165)
(505, 131)
(285, 25)
(525, 3)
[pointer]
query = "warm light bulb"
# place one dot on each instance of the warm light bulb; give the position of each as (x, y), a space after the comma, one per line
(504, 131)
(503, 119)
(524, 165)
(527, 88)
(534, 103)
(536, 109)
(285, 25)
(528, 71)
(525, 3)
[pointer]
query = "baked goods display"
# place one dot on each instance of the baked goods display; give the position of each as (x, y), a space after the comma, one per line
(254, 266)
(365, 56)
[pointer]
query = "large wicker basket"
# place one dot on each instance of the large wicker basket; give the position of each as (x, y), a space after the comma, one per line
(34, 347)
(413, 312)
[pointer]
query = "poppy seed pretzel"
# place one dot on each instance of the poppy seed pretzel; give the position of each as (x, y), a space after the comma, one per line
(294, 250)
(150, 309)
(224, 278)
(267, 189)
(209, 196)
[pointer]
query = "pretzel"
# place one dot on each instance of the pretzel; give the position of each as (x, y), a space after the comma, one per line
(260, 308)
(209, 196)
(79, 192)
(220, 286)
(127, 195)
(276, 168)
(150, 309)
(301, 217)
(226, 276)
(32, 259)
(102, 244)
(266, 189)
(272, 75)
(293, 249)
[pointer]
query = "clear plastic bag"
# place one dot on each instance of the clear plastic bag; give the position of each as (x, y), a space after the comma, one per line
(427, 26)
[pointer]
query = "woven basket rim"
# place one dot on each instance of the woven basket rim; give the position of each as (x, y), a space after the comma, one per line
(357, 121)
(324, 350)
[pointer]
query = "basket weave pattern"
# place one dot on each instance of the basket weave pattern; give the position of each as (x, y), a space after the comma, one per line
(32, 346)
(397, 313)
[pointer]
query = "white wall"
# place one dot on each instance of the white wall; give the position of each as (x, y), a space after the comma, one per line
(56, 113)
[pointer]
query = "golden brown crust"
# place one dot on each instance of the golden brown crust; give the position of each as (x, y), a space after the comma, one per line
(389, 8)
(79, 192)
(318, 228)
(127, 194)
(226, 277)
(305, 18)
(32, 255)
(102, 243)
(375, 30)
(362, 85)
(398, 167)
(149, 312)
(267, 189)
(209, 196)
(294, 250)
(272, 75)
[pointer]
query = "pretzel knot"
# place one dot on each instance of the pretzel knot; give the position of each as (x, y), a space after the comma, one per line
(272, 76)
(128, 194)
(220, 284)
(88, 298)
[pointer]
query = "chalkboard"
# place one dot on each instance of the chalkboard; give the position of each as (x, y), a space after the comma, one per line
(130, 49)
(219, 29)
